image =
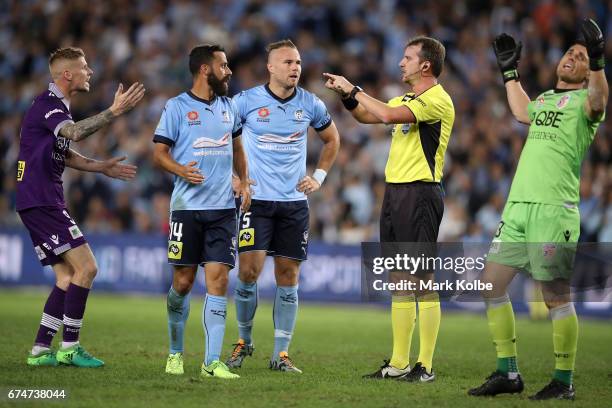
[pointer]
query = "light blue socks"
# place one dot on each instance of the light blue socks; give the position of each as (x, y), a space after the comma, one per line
(178, 312)
(285, 313)
(245, 296)
(213, 320)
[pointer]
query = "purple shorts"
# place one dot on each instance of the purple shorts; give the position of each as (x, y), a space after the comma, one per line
(53, 232)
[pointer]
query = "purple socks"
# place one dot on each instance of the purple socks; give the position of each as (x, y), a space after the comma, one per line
(74, 309)
(51, 321)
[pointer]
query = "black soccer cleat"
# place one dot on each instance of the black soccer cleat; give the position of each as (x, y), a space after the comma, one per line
(387, 371)
(498, 383)
(419, 374)
(555, 390)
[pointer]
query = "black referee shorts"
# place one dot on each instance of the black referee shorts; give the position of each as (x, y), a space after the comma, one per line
(411, 212)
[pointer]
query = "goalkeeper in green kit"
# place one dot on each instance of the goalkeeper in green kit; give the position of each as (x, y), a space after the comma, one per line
(540, 224)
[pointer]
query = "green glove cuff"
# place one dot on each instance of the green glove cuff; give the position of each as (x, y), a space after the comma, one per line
(597, 64)
(511, 75)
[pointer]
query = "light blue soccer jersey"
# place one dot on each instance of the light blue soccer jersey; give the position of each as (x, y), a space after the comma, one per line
(201, 131)
(275, 132)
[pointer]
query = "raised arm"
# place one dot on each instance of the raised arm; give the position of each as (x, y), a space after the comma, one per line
(123, 102)
(598, 91)
(508, 53)
(365, 108)
(518, 101)
(111, 167)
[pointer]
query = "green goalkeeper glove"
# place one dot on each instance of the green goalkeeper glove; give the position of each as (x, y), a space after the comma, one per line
(508, 53)
(594, 40)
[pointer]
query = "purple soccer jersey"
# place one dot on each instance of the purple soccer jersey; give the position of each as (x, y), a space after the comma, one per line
(42, 151)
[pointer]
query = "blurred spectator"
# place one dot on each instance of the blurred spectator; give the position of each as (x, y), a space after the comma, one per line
(363, 40)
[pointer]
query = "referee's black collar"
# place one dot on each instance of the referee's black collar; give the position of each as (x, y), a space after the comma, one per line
(278, 98)
(197, 98)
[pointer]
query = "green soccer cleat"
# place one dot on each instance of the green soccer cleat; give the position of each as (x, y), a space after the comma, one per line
(44, 358)
(217, 369)
(174, 365)
(79, 357)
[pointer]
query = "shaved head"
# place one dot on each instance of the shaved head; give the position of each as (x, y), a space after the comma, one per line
(69, 69)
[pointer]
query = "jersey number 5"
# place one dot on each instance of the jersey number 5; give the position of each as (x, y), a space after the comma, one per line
(246, 220)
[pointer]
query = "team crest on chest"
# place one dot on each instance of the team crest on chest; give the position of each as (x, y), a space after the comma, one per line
(299, 114)
(405, 128)
(262, 115)
(193, 118)
(540, 102)
(563, 101)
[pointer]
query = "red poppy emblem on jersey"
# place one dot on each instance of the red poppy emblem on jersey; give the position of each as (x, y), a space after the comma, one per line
(193, 115)
(263, 112)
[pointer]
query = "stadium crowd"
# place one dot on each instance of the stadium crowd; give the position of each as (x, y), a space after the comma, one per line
(149, 40)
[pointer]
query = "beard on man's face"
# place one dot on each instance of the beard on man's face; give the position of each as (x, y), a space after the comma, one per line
(219, 86)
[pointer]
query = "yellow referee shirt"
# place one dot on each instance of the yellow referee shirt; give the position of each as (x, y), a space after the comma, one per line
(417, 149)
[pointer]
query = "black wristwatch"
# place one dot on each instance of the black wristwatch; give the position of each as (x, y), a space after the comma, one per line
(354, 91)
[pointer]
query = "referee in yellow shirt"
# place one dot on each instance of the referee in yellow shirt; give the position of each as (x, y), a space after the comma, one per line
(413, 204)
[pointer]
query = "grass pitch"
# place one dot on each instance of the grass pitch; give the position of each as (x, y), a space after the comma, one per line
(334, 345)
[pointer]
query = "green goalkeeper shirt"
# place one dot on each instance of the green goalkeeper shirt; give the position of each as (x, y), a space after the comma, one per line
(559, 136)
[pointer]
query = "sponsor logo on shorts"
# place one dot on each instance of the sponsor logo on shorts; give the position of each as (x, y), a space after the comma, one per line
(304, 241)
(61, 249)
(549, 250)
(233, 248)
(55, 239)
(175, 250)
(47, 246)
(75, 232)
(567, 235)
(494, 248)
(247, 237)
(20, 169)
(39, 253)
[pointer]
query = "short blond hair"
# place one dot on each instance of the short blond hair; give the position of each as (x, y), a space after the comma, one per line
(286, 43)
(67, 53)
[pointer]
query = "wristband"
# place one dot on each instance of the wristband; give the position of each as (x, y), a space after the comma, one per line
(510, 75)
(597, 64)
(350, 103)
(319, 175)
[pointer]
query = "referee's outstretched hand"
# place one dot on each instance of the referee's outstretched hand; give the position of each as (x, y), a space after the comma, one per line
(508, 53)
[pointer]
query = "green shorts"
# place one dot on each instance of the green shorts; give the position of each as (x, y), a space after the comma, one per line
(539, 238)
